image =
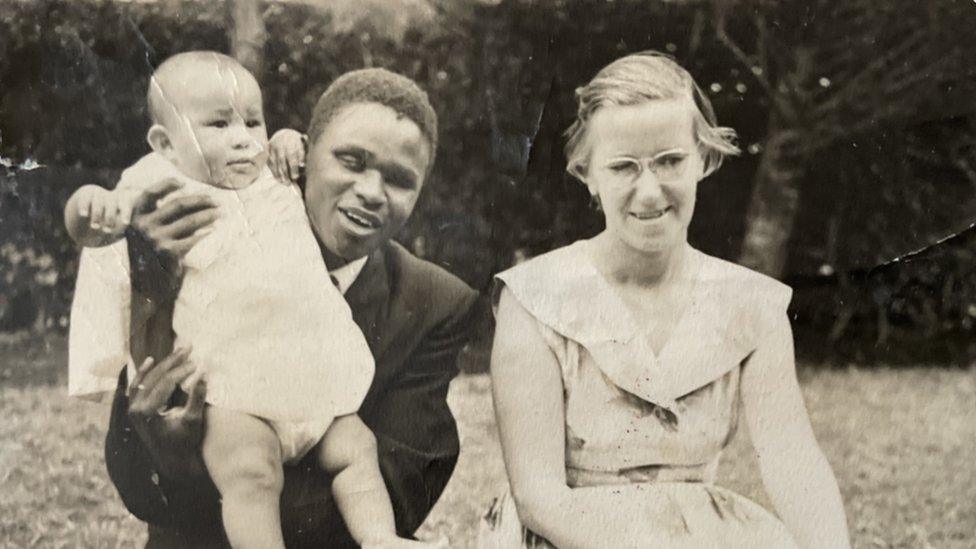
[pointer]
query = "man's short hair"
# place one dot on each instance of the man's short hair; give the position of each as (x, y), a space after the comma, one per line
(376, 86)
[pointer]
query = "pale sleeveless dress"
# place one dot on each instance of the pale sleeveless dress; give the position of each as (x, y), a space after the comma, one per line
(633, 416)
(268, 331)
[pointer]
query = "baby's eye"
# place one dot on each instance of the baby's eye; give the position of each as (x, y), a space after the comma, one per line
(217, 124)
(255, 123)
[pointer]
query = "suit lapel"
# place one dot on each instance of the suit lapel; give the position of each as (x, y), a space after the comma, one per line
(369, 299)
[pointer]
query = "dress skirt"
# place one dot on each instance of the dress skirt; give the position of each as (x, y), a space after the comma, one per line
(692, 515)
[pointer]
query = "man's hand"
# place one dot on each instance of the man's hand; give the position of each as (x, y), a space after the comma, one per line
(160, 235)
(171, 435)
(286, 156)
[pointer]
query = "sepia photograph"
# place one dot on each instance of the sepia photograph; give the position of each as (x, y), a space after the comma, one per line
(488, 274)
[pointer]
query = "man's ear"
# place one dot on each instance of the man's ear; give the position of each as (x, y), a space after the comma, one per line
(159, 140)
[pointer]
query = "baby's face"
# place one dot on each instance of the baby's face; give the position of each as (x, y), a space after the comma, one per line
(218, 135)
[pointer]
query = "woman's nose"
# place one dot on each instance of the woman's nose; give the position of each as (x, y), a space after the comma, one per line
(649, 186)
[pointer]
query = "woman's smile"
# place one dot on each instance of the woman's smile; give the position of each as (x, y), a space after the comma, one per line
(651, 215)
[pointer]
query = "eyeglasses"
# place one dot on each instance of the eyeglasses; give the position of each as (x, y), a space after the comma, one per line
(666, 166)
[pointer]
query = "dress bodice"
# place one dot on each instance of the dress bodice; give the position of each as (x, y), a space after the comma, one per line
(633, 415)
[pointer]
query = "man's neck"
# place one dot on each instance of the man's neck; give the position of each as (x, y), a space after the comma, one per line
(334, 261)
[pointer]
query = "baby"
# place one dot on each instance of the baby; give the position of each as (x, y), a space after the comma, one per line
(286, 367)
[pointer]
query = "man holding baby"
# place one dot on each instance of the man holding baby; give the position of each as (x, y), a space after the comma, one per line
(371, 146)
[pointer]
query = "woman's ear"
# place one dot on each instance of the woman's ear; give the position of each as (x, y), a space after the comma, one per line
(159, 140)
(706, 164)
(578, 170)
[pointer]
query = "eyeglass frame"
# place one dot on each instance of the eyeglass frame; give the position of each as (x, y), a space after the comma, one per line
(654, 165)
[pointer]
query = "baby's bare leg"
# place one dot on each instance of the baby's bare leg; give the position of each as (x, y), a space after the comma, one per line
(348, 450)
(243, 456)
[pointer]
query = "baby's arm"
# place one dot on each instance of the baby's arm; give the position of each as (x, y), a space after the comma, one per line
(348, 450)
(98, 217)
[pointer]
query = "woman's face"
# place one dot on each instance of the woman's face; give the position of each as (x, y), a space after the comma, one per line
(364, 173)
(644, 165)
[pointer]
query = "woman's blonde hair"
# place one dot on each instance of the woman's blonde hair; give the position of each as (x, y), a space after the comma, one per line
(639, 78)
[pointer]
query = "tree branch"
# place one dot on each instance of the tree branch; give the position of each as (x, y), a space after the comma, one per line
(749, 62)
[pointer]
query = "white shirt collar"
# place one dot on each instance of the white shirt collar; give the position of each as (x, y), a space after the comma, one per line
(348, 273)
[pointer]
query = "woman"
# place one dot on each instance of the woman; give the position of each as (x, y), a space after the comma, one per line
(620, 363)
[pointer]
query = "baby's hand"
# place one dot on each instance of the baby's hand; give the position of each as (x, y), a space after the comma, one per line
(97, 217)
(286, 156)
(108, 211)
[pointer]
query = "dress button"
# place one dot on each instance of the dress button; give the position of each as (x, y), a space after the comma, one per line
(155, 479)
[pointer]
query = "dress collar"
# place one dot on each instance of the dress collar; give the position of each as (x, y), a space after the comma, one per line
(565, 291)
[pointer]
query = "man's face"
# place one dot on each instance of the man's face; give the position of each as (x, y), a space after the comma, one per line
(216, 127)
(364, 173)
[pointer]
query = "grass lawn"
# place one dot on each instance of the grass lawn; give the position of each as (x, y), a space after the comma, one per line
(902, 442)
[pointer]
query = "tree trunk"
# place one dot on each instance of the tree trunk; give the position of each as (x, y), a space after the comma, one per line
(775, 199)
(248, 35)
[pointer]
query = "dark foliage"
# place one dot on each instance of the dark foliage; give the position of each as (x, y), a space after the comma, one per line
(73, 77)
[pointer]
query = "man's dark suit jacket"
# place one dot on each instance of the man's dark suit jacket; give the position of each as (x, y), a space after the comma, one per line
(416, 317)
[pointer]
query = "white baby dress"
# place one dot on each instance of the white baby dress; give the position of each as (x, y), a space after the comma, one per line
(272, 336)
